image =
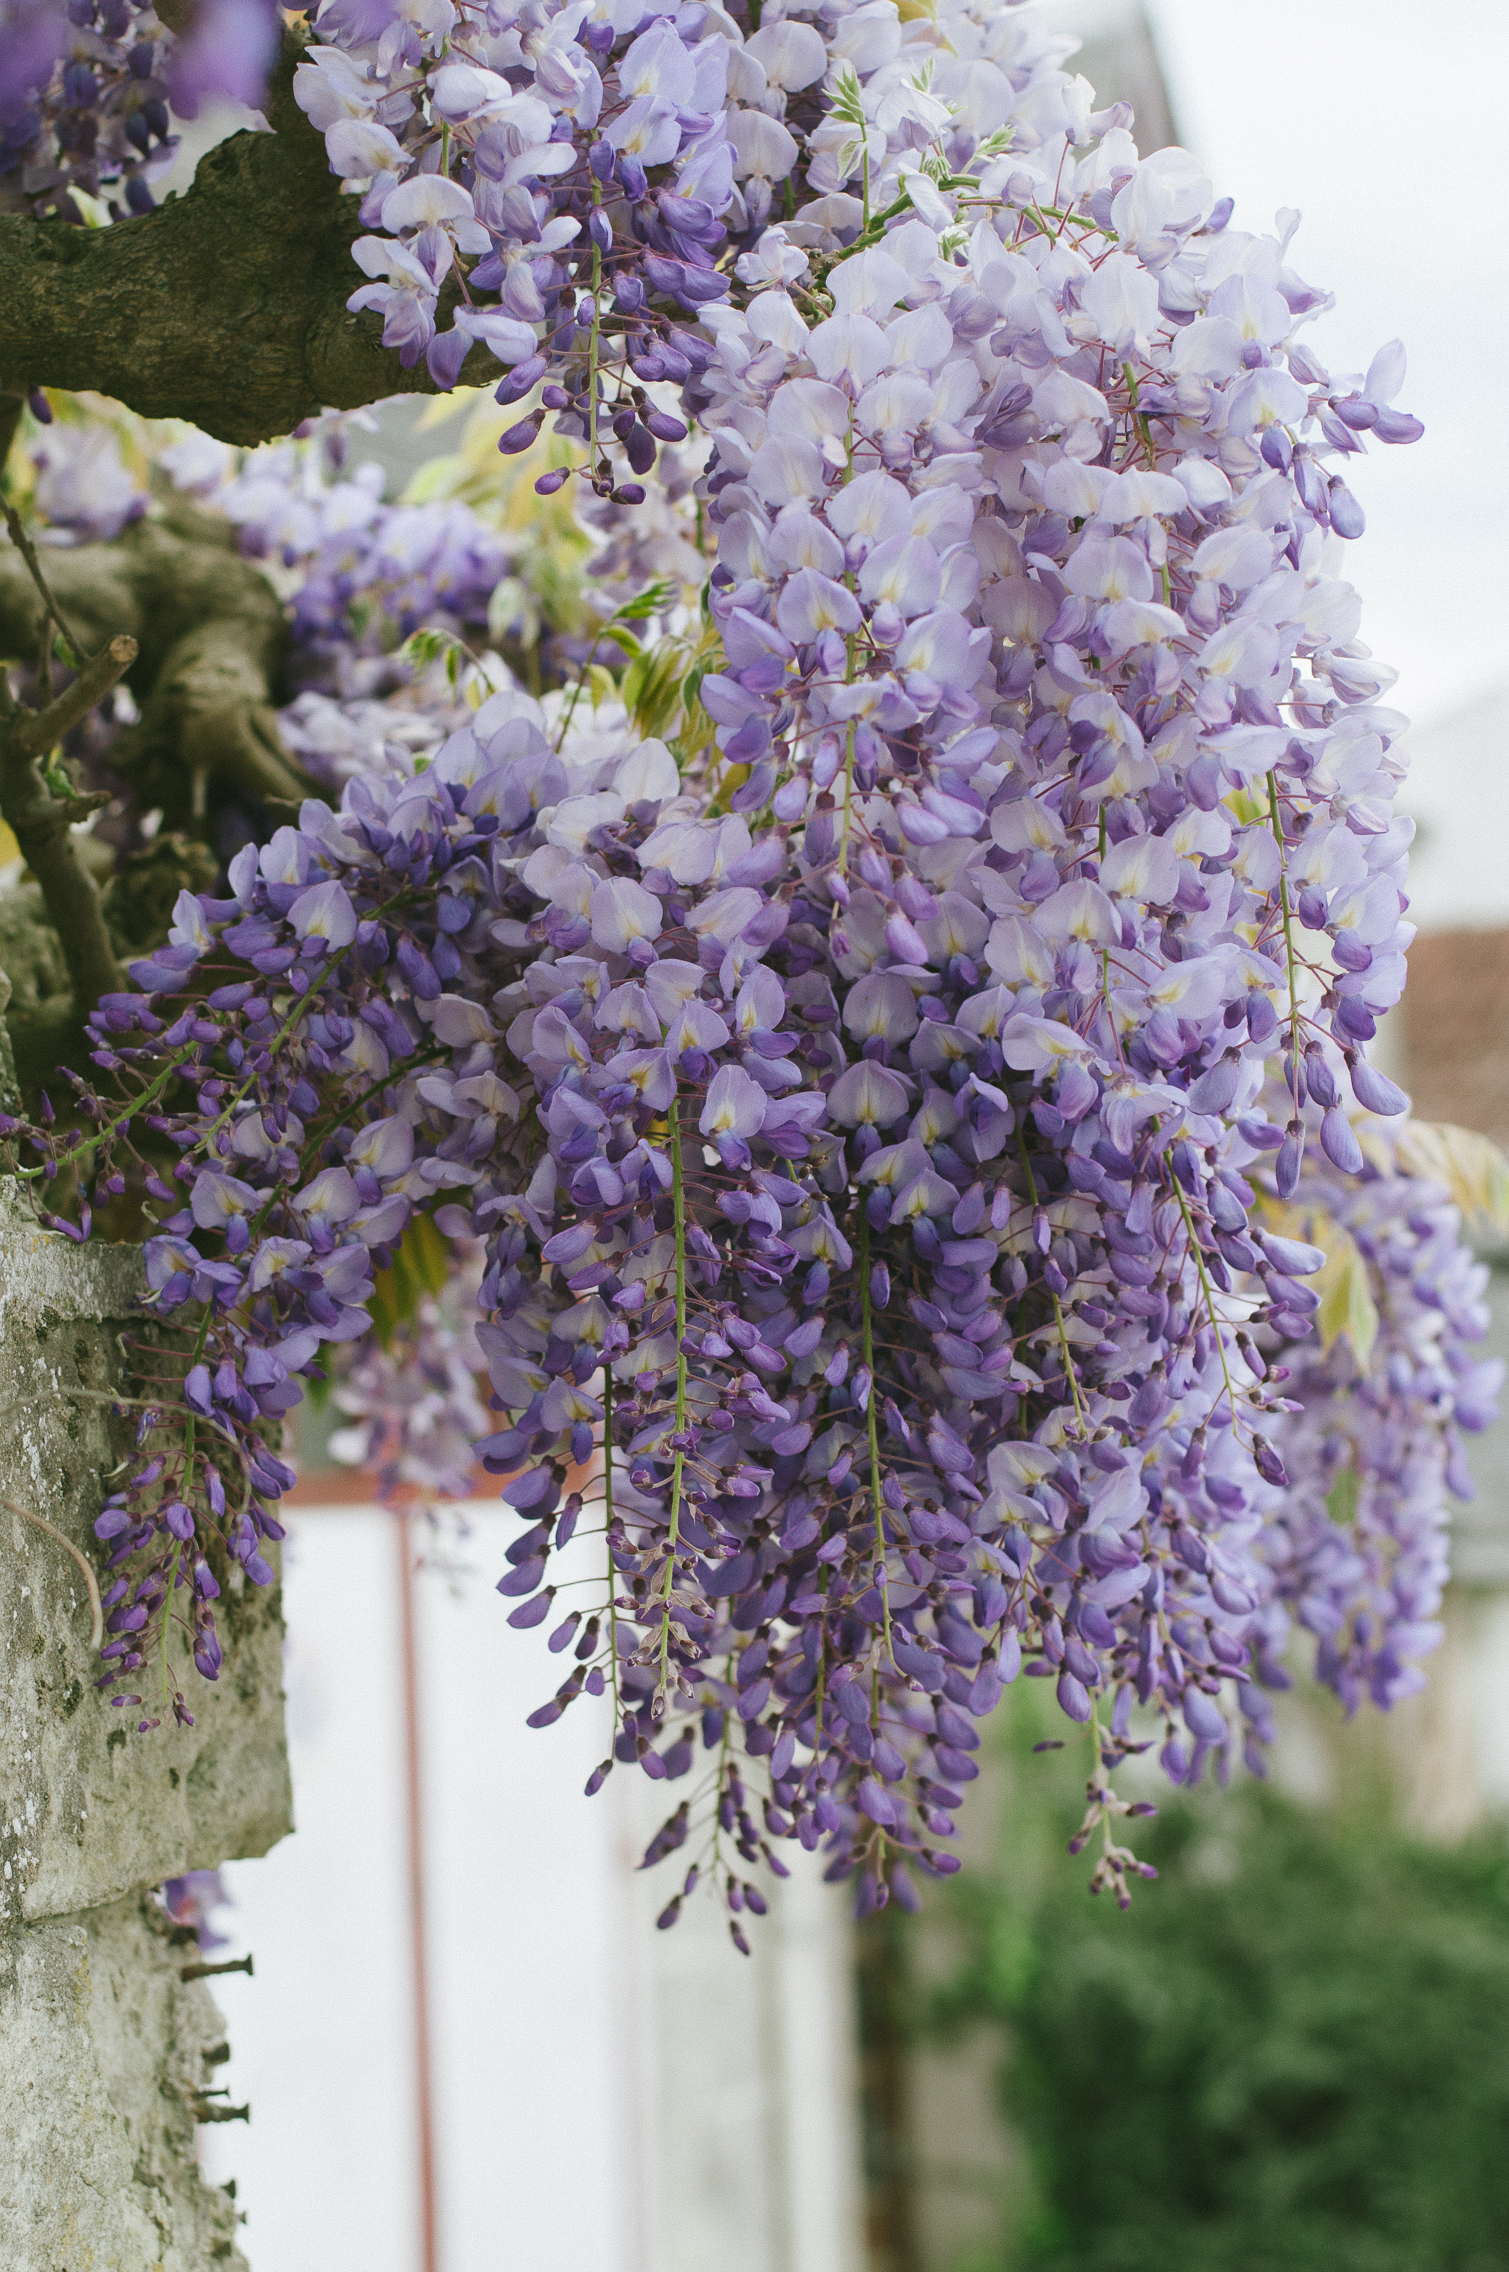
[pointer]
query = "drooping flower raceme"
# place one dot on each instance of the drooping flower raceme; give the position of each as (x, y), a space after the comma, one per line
(870, 1127)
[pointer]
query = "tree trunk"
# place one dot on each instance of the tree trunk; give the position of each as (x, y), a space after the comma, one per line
(105, 2047)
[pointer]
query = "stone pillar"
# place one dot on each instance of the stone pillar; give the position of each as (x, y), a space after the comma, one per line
(105, 2048)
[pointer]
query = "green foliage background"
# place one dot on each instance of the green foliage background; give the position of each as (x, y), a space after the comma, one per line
(1291, 2056)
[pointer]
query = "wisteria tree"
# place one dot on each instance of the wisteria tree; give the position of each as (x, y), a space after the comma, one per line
(787, 965)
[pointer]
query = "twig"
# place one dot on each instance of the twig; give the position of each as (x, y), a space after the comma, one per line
(97, 1635)
(207, 1971)
(47, 727)
(11, 407)
(28, 552)
(678, 1195)
(41, 823)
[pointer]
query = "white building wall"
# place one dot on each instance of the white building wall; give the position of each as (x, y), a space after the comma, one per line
(606, 2096)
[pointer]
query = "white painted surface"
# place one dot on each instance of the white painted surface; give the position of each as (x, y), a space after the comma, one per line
(1458, 796)
(606, 2096)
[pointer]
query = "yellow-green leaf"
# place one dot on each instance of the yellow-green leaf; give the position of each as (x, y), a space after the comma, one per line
(1346, 1295)
(437, 477)
(1471, 1167)
(1346, 1298)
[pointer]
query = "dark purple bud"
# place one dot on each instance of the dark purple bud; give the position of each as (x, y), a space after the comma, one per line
(520, 379)
(516, 438)
(1269, 1466)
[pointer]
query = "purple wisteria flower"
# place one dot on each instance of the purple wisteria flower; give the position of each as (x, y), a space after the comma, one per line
(904, 1138)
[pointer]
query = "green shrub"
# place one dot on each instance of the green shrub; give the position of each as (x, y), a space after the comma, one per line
(1291, 2056)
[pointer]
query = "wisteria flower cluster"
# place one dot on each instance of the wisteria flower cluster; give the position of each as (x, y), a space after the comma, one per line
(902, 1134)
(89, 89)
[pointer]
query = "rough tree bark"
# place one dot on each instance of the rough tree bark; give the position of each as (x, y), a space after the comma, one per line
(227, 306)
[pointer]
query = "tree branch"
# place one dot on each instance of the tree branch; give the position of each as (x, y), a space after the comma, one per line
(41, 823)
(42, 730)
(211, 638)
(28, 552)
(227, 306)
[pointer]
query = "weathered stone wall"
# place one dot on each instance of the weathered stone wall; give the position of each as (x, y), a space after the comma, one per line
(104, 2047)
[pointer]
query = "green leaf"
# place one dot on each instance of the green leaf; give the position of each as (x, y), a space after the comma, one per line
(648, 602)
(420, 1266)
(634, 681)
(1341, 1499)
(655, 696)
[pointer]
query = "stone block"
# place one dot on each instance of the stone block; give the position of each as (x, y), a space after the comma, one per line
(101, 2040)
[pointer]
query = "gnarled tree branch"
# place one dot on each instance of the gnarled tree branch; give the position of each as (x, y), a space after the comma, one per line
(210, 636)
(227, 306)
(41, 821)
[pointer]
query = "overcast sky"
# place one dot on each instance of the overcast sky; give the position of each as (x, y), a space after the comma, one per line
(1382, 123)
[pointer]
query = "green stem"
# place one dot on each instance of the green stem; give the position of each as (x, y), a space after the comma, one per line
(1058, 1314)
(1139, 418)
(872, 1431)
(127, 1112)
(678, 1204)
(1290, 956)
(843, 840)
(1210, 1300)
(167, 1611)
(822, 1672)
(608, 1531)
